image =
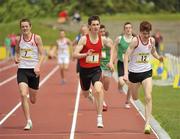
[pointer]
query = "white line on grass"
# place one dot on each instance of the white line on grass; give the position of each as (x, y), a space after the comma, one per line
(19, 104)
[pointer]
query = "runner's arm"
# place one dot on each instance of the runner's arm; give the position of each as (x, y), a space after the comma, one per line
(79, 47)
(116, 42)
(109, 43)
(129, 51)
(154, 52)
(41, 54)
(17, 50)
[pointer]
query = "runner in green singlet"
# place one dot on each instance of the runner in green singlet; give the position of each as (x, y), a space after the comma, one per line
(105, 58)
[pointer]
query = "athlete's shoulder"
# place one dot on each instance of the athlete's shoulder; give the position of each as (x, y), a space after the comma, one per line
(37, 36)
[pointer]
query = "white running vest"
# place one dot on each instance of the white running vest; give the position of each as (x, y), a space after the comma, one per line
(63, 48)
(139, 60)
(29, 55)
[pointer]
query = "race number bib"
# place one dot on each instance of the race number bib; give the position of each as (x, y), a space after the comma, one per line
(103, 54)
(26, 53)
(94, 58)
(143, 58)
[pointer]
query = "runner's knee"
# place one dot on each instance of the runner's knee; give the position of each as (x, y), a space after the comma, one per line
(148, 98)
(98, 87)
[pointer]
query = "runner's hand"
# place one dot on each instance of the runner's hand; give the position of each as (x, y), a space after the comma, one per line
(161, 59)
(16, 59)
(37, 70)
(111, 66)
(90, 52)
(125, 78)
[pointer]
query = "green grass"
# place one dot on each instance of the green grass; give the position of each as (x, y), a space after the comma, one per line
(39, 26)
(166, 108)
(137, 16)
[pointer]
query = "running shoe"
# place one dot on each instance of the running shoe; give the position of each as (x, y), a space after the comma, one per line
(127, 105)
(100, 122)
(28, 125)
(91, 97)
(105, 107)
(147, 129)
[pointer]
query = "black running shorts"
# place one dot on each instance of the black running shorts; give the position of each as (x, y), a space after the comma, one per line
(139, 77)
(88, 76)
(120, 68)
(28, 76)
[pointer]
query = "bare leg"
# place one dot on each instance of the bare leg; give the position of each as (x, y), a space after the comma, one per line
(99, 96)
(106, 83)
(24, 99)
(120, 83)
(62, 71)
(32, 94)
(134, 87)
(147, 86)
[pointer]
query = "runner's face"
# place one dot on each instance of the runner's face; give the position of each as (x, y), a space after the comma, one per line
(128, 29)
(62, 34)
(25, 28)
(102, 31)
(145, 35)
(84, 30)
(95, 26)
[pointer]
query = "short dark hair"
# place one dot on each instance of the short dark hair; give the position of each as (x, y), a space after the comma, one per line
(25, 20)
(127, 23)
(145, 26)
(92, 18)
(102, 26)
(60, 30)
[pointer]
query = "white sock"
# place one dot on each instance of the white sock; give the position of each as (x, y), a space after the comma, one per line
(29, 120)
(99, 115)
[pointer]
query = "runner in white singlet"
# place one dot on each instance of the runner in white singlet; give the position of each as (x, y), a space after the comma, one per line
(140, 70)
(29, 57)
(63, 47)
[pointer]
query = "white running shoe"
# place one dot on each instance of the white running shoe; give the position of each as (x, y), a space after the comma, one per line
(91, 97)
(100, 122)
(127, 105)
(28, 125)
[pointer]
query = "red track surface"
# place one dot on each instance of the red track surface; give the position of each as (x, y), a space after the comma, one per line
(53, 113)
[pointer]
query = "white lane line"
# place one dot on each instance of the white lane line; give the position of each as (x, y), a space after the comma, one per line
(8, 80)
(19, 104)
(75, 112)
(7, 67)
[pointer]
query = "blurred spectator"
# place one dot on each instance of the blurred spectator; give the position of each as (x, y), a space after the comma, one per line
(63, 16)
(13, 43)
(158, 41)
(76, 17)
(7, 44)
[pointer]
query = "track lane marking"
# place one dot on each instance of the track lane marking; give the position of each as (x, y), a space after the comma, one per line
(8, 80)
(8, 67)
(75, 112)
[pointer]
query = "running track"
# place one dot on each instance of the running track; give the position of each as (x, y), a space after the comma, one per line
(61, 112)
